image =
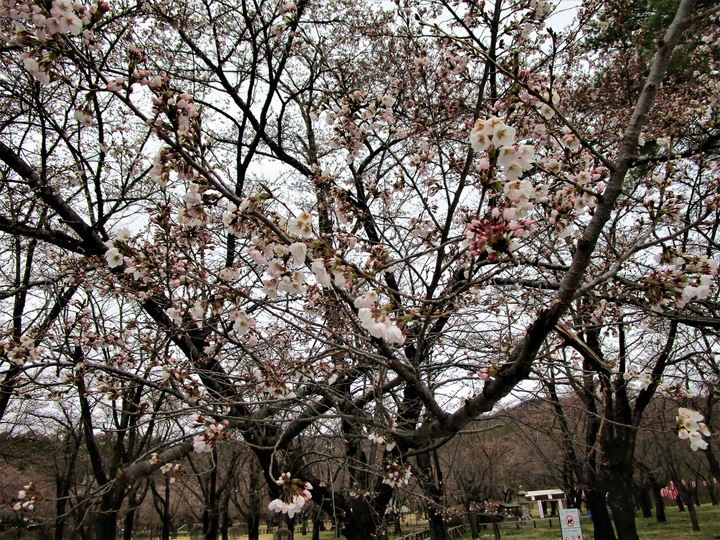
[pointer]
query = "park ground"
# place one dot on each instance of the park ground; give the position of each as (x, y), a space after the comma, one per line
(677, 528)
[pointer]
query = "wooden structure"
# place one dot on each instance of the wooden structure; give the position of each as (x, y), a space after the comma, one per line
(545, 495)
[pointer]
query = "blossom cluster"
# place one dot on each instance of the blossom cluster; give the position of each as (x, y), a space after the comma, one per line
(194, 213)
(300, 225)
(379, 324)
(216, 431)
(494, 236)
(682, 279)
(113, 255)
(26, 498)
(232, 217)
(515, 160)
(397, 474)
(272, 380)
(18, 352)
(295, 493)
(168, 469)
(359, 115)
(172, 471)
(690, 426)
(62, 17)
(644, 379)
(280, 278)
(382, 439)
(179, 109)
(285, 264)
(492, 132)
(36, 24)
(242, 321)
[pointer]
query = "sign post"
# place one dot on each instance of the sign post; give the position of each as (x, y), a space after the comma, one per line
(570, 524)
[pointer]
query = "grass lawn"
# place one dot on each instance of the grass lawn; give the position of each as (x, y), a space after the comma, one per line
(677, 527)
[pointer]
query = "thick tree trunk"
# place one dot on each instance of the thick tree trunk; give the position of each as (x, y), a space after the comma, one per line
(603, 529)
(224, 524)
(361, 522)
(129, 520)
(254, 527)
(474, 533)
(693, 518)
(316, 527)
(253, 513)
(438, 527)
(685, 492)
(60, 506)
(619, 482)
(211, 515)
(213, 526)
(712, 463)
(431, 483)
(128, 525)
(62, 485)
(659, 503)
(105, 525)
(643, 499)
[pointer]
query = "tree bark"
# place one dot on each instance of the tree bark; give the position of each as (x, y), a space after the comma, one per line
(316, 527)
(620, 489)
(711, 491)
(129, 521)
(643, 499)
(166, 511)
(693, 518)
(432, 488)
(474, 533)
(62, 489)
(224, 524)
(361, 522)
(129, 524)
(659, 503)
(105, 521)
(603, 529)
(397, 524)
(254, 528)
(686, 493)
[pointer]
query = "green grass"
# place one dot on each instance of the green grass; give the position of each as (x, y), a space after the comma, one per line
(678, 527)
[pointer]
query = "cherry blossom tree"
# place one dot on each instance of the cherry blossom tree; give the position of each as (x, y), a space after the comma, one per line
(264, 221)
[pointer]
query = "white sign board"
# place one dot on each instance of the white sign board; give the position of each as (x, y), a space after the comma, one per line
(570, 524)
